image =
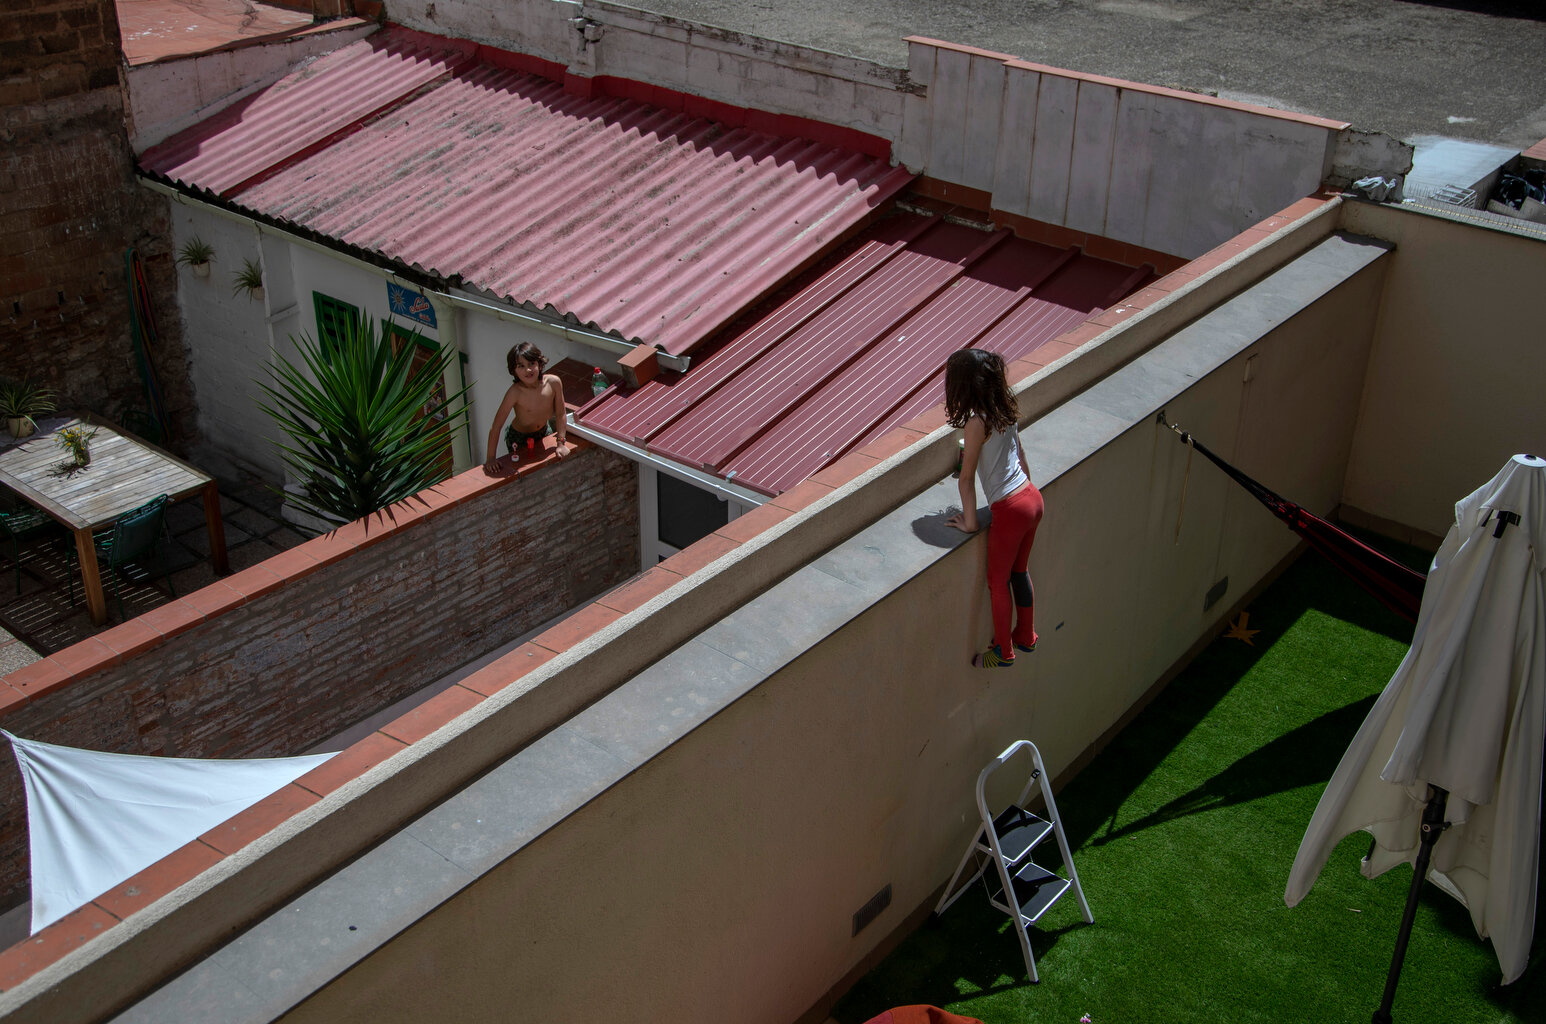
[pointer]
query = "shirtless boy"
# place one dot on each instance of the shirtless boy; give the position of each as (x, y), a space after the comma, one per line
(537, 401)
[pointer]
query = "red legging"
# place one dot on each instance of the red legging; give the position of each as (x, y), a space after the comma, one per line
(1010, 536)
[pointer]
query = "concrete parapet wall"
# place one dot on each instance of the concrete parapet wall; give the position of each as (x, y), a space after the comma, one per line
(1153, 167)
(595, 40)
(1455, 377)
(168, 96)
(717, 879)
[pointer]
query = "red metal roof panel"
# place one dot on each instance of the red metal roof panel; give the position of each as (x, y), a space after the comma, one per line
(725, 421)
(861, 348)
(644, 222)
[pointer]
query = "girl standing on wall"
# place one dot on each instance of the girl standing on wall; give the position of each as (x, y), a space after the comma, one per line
(978, 399)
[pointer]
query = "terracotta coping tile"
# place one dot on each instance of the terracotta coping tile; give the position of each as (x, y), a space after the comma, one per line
(807, 492)
(927, 422)
(1180, 94)
(11, 699)
(36, 952)
(1085, 332)
(293, 563)
(651, 582)
(407, 512)
(492, 678)
(1210, 260)
(1024, 368)
(845, 469)
(254, 581)
(700, 553)
(432, 714)
(576, 627)
(958, 47)
(1173, 281)
(345, 540)
(1057, 348)
(259, 819)
(350, 763)
(751, 524)
(1147, 296)
(144, 888)
(37, 678)
(1536, 152)
(1304, 207)
(467, 484)
(215, 599)
(891, 442)
(1114, 316)
(85, 657)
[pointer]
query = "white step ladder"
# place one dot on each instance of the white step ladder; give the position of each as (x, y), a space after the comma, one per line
(1024, 889)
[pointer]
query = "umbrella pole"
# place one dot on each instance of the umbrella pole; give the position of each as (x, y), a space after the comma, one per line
(1433, 824)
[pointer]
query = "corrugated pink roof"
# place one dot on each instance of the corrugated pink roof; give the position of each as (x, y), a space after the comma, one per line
(861, 348)
(648, 223)
(303, 111)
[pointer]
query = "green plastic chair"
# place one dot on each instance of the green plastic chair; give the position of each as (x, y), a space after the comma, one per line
(135, 533)
(25, 526)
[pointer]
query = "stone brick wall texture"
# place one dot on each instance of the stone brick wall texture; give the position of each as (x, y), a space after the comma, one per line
(292, 668)
(69, 208)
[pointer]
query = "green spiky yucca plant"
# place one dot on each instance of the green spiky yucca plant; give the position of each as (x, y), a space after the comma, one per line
(365, 428)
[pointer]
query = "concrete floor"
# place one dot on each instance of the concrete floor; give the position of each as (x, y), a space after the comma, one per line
(1468, 69)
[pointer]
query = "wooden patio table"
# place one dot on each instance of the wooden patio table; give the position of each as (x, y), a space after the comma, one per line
(124, 473)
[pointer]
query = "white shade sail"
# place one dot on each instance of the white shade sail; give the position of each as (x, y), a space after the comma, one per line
(1466, 712)
(96, 819)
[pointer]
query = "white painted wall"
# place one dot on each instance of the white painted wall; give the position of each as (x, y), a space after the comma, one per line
(227, 338)
(718, 64)
(1455, 376)
(166, 97)
(1153, 167)
(232, 338)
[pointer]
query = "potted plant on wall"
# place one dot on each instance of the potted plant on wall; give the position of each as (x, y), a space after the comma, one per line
(20, 401)
(249, 279)
(196, 255)
(366, 428)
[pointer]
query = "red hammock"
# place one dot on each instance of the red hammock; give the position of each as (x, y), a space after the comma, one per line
(1395, 586)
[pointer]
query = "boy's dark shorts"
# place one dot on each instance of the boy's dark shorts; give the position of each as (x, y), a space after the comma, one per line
(515, 439)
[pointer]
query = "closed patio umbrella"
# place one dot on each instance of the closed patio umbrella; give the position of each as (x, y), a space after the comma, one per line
(1458, 732)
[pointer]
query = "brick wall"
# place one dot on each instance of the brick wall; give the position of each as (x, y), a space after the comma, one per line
(355, 622)
(69, 208)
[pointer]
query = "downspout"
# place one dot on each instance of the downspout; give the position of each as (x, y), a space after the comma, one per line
(447, 321)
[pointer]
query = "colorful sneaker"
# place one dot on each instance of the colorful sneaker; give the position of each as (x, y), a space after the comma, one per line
(992, 658)
(1023, 649)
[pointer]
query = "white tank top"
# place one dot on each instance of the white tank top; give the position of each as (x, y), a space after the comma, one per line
(998, 465)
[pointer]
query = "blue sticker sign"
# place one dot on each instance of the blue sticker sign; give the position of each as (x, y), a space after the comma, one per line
(412, 305)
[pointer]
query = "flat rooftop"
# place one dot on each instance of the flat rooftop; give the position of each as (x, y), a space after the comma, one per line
(157, 30)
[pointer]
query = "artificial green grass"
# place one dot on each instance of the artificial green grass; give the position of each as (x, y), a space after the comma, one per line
(1183, 832)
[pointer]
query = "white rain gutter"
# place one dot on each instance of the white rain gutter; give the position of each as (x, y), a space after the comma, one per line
(458, 297)
(698, 478)
(606, 342)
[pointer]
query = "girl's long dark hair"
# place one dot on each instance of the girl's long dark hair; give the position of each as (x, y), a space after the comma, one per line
(975, 385)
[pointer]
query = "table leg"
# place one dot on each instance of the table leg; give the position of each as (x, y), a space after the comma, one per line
(91, 576)
(216, 527)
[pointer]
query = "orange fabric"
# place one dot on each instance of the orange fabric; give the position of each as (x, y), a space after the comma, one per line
(920, 1015)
